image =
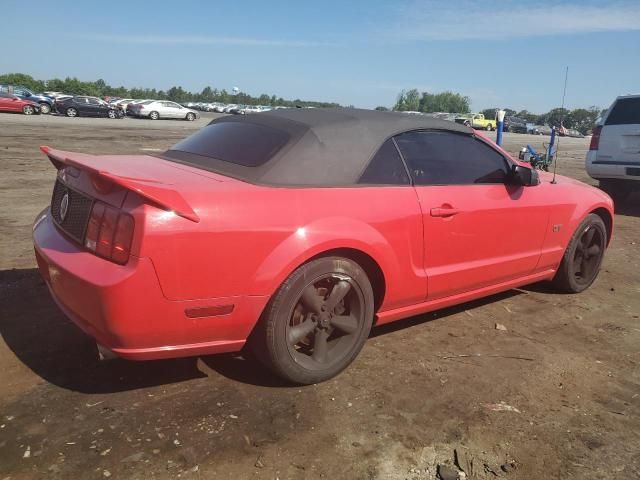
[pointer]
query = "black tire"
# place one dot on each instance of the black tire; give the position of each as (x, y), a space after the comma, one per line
(154, 115)
(28, 110)
(302, 335)
(583, 257)
(45, 108)
(71, 112)
(489, 128)
(190, 117)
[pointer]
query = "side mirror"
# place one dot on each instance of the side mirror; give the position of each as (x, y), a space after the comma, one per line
(527, 177)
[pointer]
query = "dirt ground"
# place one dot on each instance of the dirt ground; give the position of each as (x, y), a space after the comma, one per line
(422, 392)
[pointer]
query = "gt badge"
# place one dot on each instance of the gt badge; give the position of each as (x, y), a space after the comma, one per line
(557, 227)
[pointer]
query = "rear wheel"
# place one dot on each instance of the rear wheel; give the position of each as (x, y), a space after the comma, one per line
(583, 257)
(489, 128)
(154, 115)
(28, 110)
(45, 108)
(317, 322)
(71, 112)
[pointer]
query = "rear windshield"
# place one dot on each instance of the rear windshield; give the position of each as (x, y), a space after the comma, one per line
(246, 144)
(625, 111)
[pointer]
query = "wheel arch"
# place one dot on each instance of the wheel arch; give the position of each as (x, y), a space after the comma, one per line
(607, 218)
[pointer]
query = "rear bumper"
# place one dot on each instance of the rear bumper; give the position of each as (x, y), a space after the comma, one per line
(610, 168)
(123, 307)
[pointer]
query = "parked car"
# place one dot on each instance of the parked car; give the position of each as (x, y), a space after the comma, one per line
(515, 125)
(614, 153)
(156, 109)
(477, 121)
(13, 103)
(573, 133)
(46, 103)
(289, 232)
(540, 130)
(83, 106)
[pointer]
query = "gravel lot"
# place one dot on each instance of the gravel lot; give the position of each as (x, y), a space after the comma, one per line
(567, 407)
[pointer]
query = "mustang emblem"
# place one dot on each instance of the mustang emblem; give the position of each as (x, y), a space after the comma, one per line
(64, 206)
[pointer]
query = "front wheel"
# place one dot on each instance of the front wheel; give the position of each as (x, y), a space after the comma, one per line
(317, 322)
(190, 117)
(112, 114)
(45, 108)
(583, 256)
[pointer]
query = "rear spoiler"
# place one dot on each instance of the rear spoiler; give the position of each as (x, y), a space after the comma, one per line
(157, 193)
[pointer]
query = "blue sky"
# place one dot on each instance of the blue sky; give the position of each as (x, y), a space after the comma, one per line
(500, 53)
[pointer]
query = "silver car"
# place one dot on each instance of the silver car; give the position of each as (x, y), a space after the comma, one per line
(156, 109)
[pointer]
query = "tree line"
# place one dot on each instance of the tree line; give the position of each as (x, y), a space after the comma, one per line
(581, 119)
(99, 88)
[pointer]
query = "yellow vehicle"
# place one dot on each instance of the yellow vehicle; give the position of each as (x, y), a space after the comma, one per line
(477, 121)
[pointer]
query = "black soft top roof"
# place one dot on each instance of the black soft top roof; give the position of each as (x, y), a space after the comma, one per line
(326, 147)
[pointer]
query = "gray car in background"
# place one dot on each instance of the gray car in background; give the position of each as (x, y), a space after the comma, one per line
(156, 109)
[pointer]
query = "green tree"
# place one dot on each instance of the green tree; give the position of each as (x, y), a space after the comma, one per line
(448, 102)
(382, 109)
(583, 119)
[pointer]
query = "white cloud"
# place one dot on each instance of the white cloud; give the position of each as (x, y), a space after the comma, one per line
(198, 40)
(467, 20)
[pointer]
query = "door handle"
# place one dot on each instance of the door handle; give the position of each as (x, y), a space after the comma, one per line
(444, 212)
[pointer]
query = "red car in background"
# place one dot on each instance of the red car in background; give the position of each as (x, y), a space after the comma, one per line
(294, 231)
(12, 103)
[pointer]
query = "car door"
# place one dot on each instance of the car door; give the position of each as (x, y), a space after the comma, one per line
(174, 110)
(479, 230)
(94, 107)
(82, 105)
(5, 102)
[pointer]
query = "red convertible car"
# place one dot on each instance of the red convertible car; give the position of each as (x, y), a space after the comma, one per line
(294, 231)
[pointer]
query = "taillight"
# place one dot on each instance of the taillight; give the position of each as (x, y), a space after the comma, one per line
(595, 138)
(109, 233)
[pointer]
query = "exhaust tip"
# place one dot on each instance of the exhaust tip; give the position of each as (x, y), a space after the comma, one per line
(105, 354)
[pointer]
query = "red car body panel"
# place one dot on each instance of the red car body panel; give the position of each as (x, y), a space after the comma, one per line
(206, 240)
(15, 104)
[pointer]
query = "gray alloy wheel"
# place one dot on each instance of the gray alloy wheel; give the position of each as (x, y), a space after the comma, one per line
(112, 114)
(190, 117)
(71, 112)
(154, 115)
(45, 108)
(28, 110)
(583, 257)
(317, 322)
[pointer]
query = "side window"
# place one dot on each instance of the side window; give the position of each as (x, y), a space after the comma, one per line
(93, 101)
(447, 158)
(385, 168)
(80, 100)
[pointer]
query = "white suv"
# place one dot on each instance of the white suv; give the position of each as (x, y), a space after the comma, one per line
(614, 153)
